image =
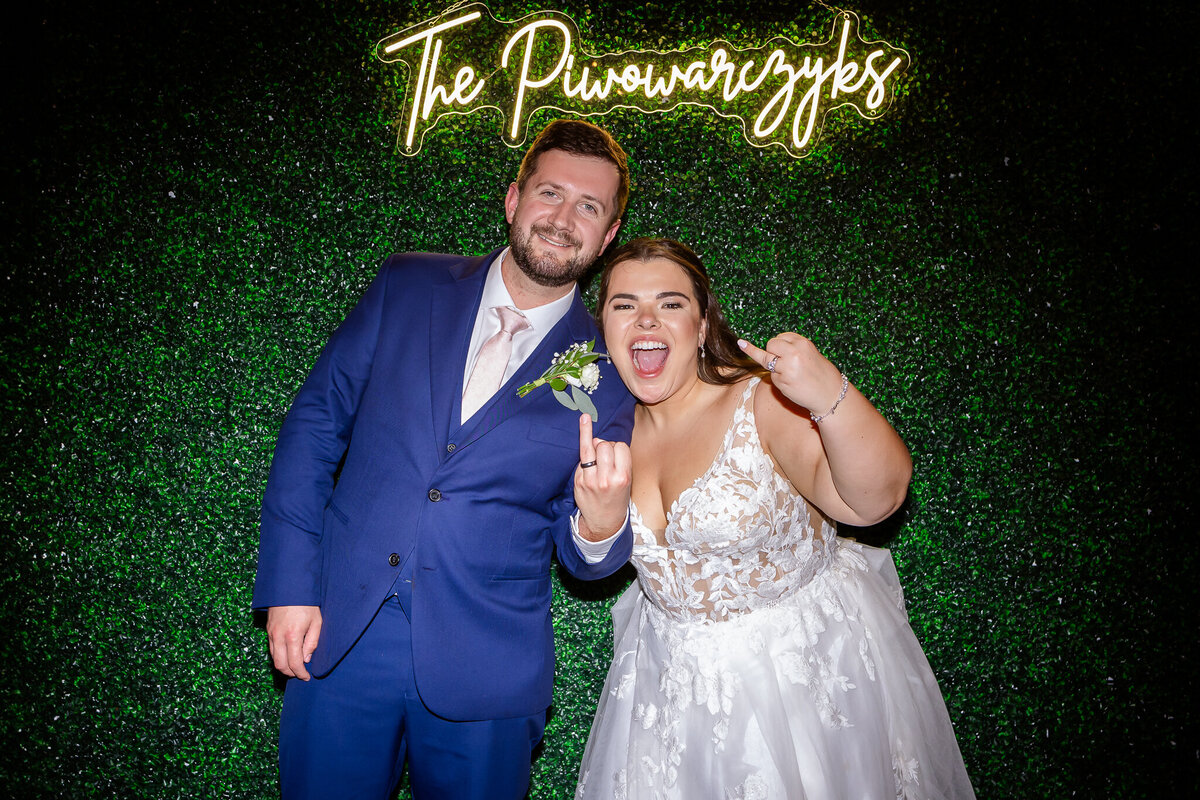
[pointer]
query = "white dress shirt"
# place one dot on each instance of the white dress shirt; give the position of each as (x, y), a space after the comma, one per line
(541, 320)
(487, 322)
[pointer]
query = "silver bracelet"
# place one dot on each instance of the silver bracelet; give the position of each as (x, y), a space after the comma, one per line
(833, 408)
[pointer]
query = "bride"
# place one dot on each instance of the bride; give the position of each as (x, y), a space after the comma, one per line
(757, 655)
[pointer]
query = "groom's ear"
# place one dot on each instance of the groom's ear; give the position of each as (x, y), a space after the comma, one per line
(510, 201)
(612, 232)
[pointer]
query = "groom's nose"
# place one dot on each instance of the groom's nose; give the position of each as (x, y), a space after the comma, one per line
(562, 217)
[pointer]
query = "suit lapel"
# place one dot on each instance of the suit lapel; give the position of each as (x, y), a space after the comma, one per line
(453, 306)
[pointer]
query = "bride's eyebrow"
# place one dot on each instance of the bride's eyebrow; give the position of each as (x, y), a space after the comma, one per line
(659, 296)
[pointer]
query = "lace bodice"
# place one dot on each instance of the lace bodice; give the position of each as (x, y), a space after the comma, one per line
(739, 539)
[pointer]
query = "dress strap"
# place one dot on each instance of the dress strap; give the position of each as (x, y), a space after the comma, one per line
(749, 425)
(748, 393)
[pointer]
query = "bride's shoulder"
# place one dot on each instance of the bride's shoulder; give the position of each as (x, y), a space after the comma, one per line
(722, 396)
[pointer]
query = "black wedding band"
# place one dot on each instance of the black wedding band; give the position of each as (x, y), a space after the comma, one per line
(588, 464)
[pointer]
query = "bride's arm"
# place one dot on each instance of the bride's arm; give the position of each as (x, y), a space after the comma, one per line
(852, 464)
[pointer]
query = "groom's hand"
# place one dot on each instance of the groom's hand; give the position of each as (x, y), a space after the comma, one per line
(601, 489)
(292, 634)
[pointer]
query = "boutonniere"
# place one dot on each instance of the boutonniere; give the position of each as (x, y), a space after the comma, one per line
(577, 370)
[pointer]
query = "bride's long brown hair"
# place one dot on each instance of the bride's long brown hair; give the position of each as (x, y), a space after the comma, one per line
(724, 362)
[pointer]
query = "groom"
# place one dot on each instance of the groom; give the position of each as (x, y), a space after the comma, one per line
(414, 501)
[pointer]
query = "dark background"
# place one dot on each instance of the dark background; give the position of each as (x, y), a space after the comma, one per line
(195, 194)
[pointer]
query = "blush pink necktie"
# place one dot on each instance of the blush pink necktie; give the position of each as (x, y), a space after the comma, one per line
(492, 361)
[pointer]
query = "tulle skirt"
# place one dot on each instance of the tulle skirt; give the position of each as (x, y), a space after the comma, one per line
(824, 695)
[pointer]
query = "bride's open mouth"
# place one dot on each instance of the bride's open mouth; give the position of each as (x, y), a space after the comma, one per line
(649, 357)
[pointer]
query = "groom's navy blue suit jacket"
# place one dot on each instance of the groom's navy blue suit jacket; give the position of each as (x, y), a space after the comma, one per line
(478, 507)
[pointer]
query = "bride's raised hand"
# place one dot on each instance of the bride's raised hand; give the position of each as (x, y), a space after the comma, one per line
(602, 482)
(859, 470)
(799, 371)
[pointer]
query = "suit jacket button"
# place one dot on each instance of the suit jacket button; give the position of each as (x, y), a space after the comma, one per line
(394, 560)
(450, 447)
(435, 495)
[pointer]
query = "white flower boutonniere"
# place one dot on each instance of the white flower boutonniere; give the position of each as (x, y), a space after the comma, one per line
(576, 369)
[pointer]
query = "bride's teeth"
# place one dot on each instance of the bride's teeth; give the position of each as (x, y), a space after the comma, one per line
(648, 356)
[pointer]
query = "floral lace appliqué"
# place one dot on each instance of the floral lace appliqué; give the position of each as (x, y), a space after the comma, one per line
(737, 540)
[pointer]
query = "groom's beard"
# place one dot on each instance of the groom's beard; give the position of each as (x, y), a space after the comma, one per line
(545, 269)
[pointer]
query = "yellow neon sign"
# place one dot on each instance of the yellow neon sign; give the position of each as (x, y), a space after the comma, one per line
(465, 60)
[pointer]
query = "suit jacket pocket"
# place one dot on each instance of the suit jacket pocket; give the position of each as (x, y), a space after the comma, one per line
(561, 436)
(543, 575)
(525, 601)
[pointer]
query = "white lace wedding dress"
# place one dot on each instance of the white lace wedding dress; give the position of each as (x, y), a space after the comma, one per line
(759, 656)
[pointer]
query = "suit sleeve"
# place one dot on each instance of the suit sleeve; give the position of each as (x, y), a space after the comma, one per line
(312, 441)
(616, 425)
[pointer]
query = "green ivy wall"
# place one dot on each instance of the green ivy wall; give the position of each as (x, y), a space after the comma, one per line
(195, 194)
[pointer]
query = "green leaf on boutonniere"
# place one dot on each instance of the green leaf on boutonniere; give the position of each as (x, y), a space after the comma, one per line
(583, 403)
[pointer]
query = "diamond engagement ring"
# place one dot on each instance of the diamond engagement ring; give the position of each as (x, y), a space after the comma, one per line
(771, 364)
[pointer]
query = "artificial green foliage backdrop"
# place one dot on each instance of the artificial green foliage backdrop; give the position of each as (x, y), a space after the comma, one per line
(196, 193)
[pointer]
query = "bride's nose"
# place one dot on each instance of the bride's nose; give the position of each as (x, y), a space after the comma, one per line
(647, 319)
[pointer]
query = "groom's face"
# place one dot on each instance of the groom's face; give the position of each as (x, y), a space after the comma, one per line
(563, 218)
